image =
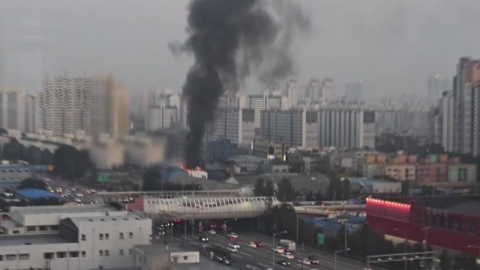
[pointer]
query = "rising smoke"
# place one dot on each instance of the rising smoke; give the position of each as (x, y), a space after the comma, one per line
(229, 39)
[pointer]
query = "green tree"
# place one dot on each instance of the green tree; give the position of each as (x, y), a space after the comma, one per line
(46, 157)
(13, 151)
(69, 162)
(269, 188)
(286, 192)
(346, 189)
(151, 178)
(33, 183)
(445, 262)
(259, 188)
(34, 155)
(334, 190)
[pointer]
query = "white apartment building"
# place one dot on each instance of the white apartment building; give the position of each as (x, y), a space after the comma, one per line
(71, 237)
(234, 124)
(317, 93)
(267, 101)
(13, 108)
(161, 117)
(63, 107)
(346, 126)
(295, 128)
(446, 110)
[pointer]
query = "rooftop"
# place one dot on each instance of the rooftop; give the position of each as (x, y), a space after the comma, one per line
(367, 181)
(60, 209)
(116, 218)
(33, 194)
(15, 240)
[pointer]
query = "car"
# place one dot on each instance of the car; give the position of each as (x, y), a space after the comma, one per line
(284, 262)
(77, 200)
(212, 231)
(259, 244)
(252, 244)
(231, 249)
(237, 246)
(278, 250)
(226, 261)
(232, 235)
(202, 238)
(288, 255)
(79, 195)
(312, 259)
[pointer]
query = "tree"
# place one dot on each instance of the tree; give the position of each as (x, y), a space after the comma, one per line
(444, 260)
(259, 188)
(70, 162)
(34, 155)
(334, 190)
(12, 151)
(33, 183)
(346, 189)
(46, 157)
(269, 188)
(286, 192)
(151, 178)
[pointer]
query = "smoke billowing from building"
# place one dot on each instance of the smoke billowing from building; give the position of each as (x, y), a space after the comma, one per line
(229, 39)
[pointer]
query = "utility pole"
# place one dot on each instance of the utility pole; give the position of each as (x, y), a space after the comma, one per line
(302, 259)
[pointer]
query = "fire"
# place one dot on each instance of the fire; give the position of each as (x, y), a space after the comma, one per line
(189, 171)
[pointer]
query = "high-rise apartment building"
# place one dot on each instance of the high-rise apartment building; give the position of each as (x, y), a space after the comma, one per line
(63, 107)
(110, 106)
(164, 110)
(446, 112)
(233, 124)
(436, 86)
(317, 93)
(259, 103)
(354, 90)
(13, 108)
(291, 92)
(466, 116)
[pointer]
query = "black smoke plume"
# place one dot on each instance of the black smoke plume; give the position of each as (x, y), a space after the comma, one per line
(229, 38)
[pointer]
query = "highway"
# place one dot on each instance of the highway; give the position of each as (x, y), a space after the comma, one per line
(260, 258)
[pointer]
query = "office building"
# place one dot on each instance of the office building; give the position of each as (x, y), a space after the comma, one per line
(110, 101)
(13, 108)
(71, 237)
(346, 126)
(354, 90)
(63, 107)
(233, 124)
(295, 127)
(268, 149)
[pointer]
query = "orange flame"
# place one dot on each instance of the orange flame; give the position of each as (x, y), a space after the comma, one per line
(189, 171)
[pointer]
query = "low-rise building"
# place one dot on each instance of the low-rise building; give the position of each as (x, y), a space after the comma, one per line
(462, 173)
(221, 150)
(431, 173)
(267, 149)
(401, 171)
(71, 237)
(11, 175)
(376, 186)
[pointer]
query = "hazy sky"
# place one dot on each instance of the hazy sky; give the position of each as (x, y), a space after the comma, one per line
(393, 45)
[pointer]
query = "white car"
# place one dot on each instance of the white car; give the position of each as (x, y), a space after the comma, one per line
(288, 255)
(235, 246)
(79, 195)
(212, 231)
(279, 250)
(232, 235)
(252, 244)
(232, 249)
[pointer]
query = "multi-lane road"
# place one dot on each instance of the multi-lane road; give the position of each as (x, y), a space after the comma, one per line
(261, 258)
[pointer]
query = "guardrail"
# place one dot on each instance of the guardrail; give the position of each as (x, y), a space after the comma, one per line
(170, 194)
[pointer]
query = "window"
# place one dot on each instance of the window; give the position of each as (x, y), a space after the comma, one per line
(73, 254)
(130, 251)
(84, 254)
(121, 235)
(54, 228)
(1, 258)
(121, 252)
(31, 228)
(100, 253)
(43, 228)
(185, 257)
(130, 234)
(107, 253)
(107, 236)
(16, 232)
(84, 237)
(100, 236)
(24, 257)
(11, 257)
(48, 255)
(61, 254)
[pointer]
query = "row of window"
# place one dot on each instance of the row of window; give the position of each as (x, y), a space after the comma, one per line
(42, 228)
(15, 171)
(106, 236)
(14, 257)
(449, 222)
(64, 254)
(121, 252)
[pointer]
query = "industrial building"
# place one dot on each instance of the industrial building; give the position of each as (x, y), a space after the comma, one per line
(376, 186)
(11, 175)
(450, 222)
(71, 237)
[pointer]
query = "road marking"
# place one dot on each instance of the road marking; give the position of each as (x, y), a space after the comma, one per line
(237, 256)
(185, 238)
(264, 265)
(245, 254)
(252, 267)
(176, 238)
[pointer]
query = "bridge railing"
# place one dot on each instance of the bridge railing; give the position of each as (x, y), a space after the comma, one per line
(170, 194)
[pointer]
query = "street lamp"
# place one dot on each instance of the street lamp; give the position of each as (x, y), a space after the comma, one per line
(225, 225)
(404, 245)
(273, 246)
(335, 261)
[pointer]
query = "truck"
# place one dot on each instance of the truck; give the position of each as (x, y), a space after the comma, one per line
(288, 245)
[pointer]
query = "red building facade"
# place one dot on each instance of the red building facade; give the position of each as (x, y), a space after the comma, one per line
(431, 219)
